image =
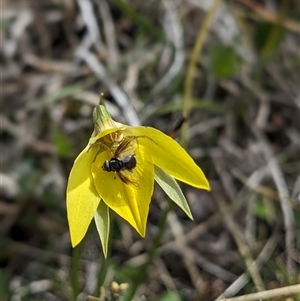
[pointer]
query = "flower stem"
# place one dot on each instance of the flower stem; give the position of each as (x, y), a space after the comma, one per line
(75, 270)
(105, 264)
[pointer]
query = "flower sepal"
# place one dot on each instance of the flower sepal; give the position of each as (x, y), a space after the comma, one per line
(172, 190)
(104, 125)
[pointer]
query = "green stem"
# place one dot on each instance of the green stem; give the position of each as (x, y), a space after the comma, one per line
(195, 56)
(75, 265)
(102, 274)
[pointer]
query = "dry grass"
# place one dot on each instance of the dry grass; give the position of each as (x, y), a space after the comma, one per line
(232, 69)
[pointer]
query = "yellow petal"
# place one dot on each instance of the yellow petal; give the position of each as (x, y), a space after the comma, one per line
(170, 156)
(130, 201)
(82, 197)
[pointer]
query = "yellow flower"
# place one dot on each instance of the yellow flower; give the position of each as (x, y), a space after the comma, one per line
(116, 171)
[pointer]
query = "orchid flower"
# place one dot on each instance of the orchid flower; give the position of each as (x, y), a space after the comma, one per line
(116, 171)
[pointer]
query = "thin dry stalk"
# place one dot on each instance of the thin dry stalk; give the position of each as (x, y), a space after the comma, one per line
(242, 246)
(271, 17)
(277, 292)
(90, 59)
(286, 207)
(174, 33)
(192, 269)
(263, 257)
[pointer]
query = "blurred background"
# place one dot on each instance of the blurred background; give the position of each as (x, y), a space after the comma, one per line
(230, 69)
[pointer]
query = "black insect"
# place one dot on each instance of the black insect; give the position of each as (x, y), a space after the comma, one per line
(117, 164)
(123, 161)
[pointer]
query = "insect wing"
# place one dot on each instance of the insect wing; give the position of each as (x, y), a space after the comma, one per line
(129, 178)
(126, 147)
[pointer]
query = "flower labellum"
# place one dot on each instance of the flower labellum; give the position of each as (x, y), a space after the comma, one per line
(116, 171)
